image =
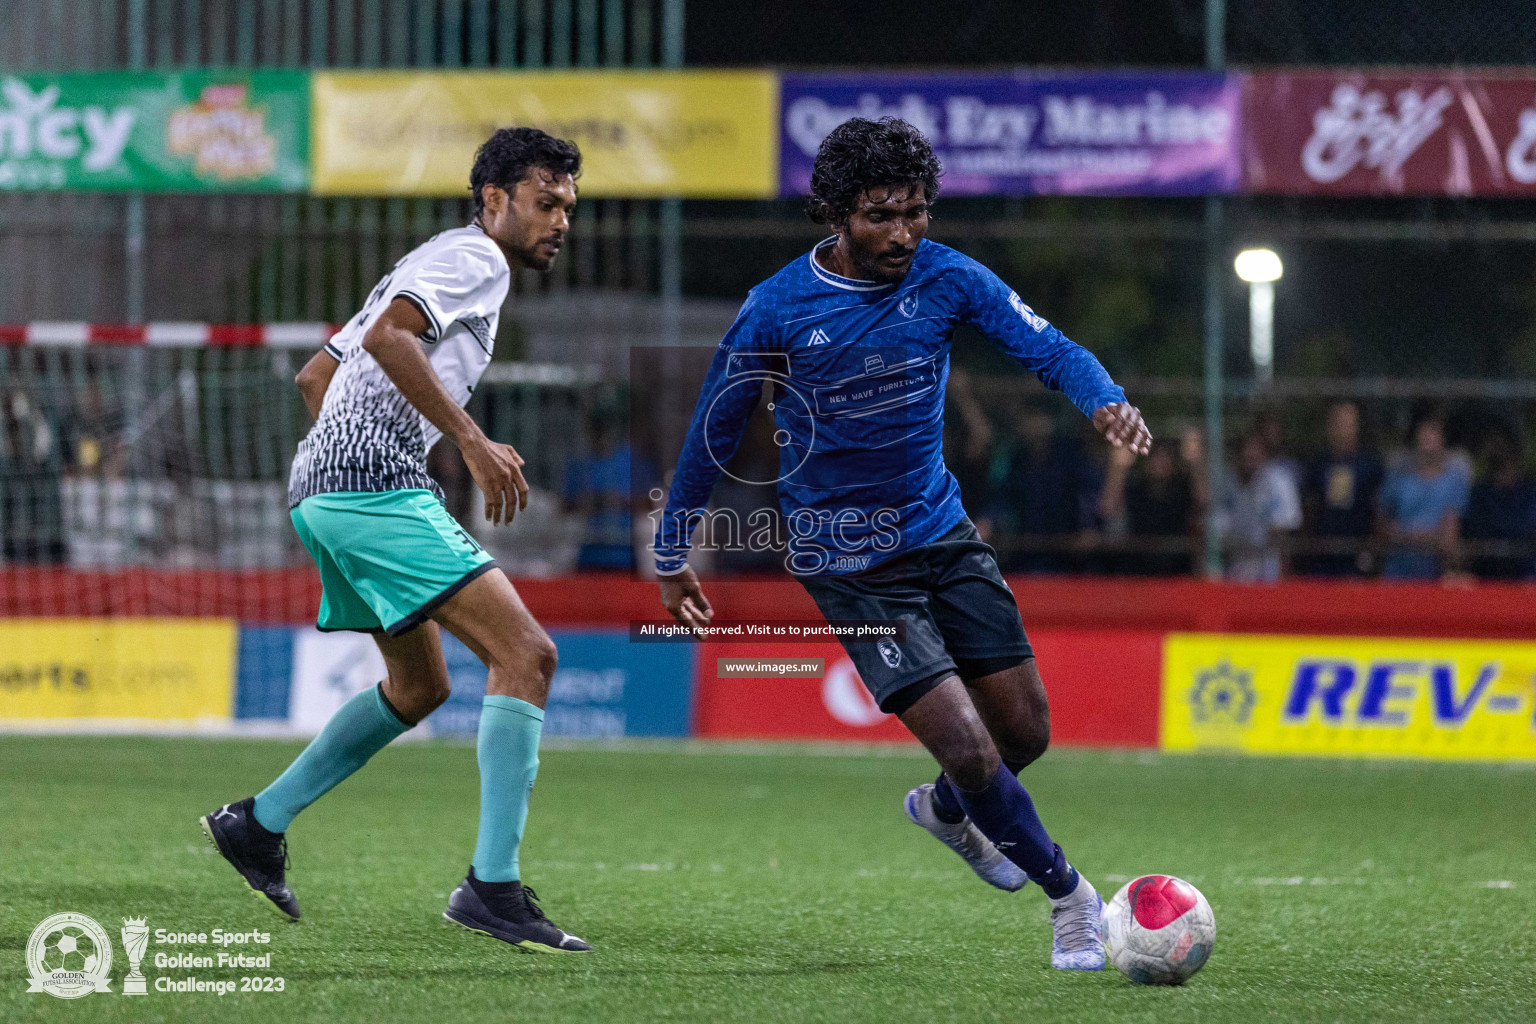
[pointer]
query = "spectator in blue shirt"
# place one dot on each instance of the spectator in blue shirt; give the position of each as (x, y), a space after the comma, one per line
(606, 490)
(1422, 503)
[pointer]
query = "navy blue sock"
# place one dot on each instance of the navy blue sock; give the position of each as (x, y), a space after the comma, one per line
(946, 801)
(1005, 814)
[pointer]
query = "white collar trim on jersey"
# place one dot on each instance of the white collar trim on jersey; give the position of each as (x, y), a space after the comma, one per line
(487, 236)
(837, 280)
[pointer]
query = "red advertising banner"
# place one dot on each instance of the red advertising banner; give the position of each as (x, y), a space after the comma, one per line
(1104, 687)
(1420, 133)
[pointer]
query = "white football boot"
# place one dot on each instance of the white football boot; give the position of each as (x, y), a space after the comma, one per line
(1077, 942)
(966, 839)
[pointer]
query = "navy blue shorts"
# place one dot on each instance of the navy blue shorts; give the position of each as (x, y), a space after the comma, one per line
(961, 618)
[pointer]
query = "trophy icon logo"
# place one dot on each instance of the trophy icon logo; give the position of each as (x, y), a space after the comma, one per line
(135, 939)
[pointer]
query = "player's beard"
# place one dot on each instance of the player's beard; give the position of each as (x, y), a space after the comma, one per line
(872, 267)
(539, 257)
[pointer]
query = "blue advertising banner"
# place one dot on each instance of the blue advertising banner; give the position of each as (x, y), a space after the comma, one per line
(605, 686)
(1150, 134)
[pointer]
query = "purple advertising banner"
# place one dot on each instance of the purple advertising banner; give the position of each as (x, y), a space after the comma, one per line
(1169, 134)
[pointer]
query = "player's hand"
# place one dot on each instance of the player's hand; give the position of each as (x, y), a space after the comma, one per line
(682, 596)
(498, 469)
(1122, 425)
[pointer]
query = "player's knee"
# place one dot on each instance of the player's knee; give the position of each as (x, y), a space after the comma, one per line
(1028, 746)
(436, 693)
(414, 697)
(539, 659)
(972, 763)
(528, 653)
(546, 658)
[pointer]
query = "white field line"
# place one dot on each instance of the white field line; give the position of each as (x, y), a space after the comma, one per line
(264, 729)
(867, 872)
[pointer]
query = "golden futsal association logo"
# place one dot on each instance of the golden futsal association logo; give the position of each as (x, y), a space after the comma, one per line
(69, 956)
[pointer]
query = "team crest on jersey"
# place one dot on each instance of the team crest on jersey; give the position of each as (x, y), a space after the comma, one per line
(819, 337)
(908, 305)
(1020, 307)
(889, 653)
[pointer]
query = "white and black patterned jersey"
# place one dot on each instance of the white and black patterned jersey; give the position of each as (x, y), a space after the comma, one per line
(368, 437)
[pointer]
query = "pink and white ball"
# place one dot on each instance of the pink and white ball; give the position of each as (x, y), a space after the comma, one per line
(1158, 930)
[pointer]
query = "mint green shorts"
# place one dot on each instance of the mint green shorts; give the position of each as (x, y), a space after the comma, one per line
(387, 558)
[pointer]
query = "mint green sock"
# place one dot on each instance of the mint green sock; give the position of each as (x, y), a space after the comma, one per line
(360, 728)
(508, 752)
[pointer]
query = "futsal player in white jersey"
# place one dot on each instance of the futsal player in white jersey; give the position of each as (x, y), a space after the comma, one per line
(394, 563)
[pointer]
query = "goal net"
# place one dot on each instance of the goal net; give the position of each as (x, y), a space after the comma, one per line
(144, 471)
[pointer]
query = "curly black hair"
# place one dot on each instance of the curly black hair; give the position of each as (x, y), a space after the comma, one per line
(861, 154)
(505, 157)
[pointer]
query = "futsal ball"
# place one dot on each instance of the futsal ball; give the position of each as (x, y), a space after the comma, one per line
(69, 949)
(1158, 930)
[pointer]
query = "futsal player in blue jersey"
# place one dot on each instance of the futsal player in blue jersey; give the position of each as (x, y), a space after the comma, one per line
(854, 339)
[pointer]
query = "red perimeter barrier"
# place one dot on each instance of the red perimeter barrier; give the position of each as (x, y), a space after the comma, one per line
(1491, 611)
(1104, 687)
(1099, 641)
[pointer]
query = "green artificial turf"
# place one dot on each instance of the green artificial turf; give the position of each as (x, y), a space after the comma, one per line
(784, 884)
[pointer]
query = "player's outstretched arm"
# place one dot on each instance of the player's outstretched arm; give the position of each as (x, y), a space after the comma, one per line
(394, 341)
(315, 379)
(1122, 426)
(1060, 363)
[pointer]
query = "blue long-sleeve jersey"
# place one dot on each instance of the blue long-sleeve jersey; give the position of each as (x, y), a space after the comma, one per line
(858, 371)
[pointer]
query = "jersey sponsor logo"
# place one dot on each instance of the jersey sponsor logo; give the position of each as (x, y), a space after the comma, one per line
(1032, 318)
(908, 305)
(878, 387)
(819, 337)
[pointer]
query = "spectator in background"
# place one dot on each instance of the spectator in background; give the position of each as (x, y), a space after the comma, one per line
(1258, 509)
(1157, 504)
(1046, 498)
(1422, 503)
(1339, 495)
(1266, 423)
(606, 489)
(967, 439)
(1192, 455)
(749, 488)
(31, 483)
(1502, 507)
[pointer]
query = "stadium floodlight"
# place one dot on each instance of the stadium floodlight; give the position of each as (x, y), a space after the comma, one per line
(1261, 268)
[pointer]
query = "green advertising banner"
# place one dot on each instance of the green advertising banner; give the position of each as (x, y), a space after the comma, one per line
(203, 131)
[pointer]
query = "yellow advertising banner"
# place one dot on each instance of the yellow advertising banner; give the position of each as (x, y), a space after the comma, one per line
(1349, 696)
(170, 670)
(704, 134)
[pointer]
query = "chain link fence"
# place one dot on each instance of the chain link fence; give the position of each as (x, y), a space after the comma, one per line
(1404, 306)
